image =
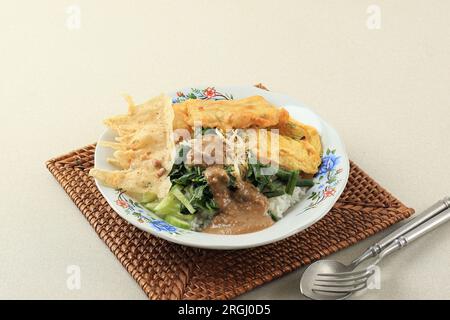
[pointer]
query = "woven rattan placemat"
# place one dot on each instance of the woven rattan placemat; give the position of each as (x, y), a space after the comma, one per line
(169, 271)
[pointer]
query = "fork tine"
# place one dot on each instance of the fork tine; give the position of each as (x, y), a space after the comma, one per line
(339, 290)
(329, 279)
(340, 285)
(347, 274)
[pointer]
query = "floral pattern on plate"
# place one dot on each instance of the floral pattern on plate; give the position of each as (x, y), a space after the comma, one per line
(203, 94)
(326, 179)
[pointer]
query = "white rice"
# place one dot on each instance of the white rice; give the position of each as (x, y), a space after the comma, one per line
(279, 205)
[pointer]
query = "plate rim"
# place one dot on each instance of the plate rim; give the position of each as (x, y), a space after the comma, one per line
(178, 239)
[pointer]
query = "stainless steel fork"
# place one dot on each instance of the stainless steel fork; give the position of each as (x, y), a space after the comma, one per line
(349, 282)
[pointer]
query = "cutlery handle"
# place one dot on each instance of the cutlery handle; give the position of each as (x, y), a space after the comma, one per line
(416, 233)
(376, 248)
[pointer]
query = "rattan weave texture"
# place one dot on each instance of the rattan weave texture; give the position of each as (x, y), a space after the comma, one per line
(169, 271)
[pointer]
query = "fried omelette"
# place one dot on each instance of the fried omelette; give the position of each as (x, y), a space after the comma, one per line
(299, 131)
(293, 154)
(254, 111)
(299, 144)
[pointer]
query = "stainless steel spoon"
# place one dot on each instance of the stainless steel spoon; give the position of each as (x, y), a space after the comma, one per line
(310, 275)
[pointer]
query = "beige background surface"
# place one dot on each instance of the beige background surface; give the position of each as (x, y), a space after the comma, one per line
(386, 91)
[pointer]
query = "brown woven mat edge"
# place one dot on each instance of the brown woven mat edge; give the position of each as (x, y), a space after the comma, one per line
(50, 164)
(69, 157)
(400, 205)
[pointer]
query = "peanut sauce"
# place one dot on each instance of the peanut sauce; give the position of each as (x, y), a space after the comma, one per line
(243, 210)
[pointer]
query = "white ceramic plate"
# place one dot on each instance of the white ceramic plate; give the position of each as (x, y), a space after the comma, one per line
(329, 182)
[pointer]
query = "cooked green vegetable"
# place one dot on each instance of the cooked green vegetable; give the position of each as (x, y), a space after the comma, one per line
(178, 222)
(169, 208)
(195, 188)
(232, 181)
(270, 185)
(285, 175)
(305, 183)
(148, 197)
(273, 216)
(261, 181)
(151, 205)
(272, 194)
(284, 181)
(182, 198)
(170, 204)
(184, 217)
(292, 182)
